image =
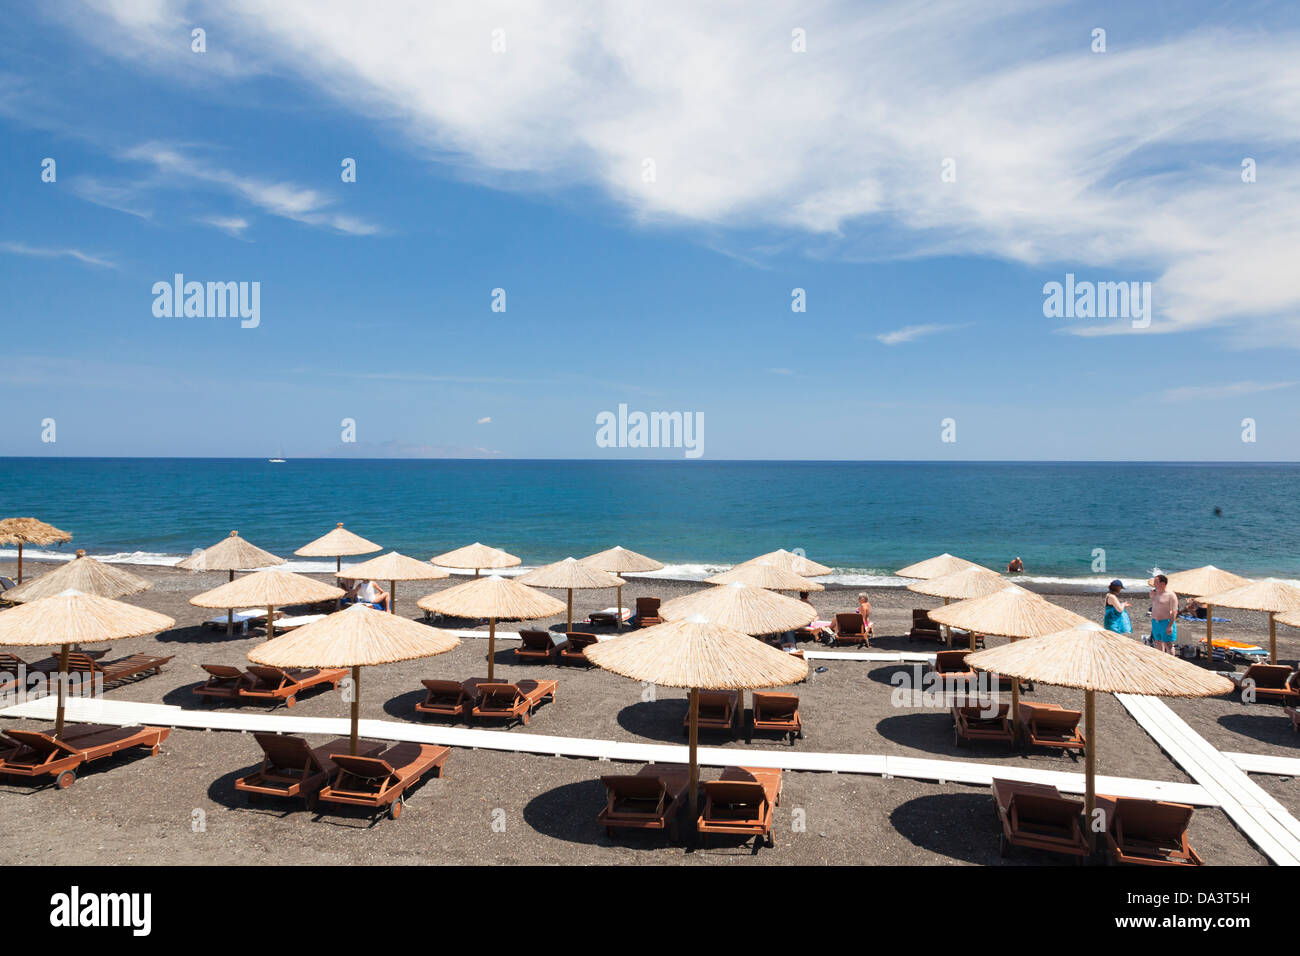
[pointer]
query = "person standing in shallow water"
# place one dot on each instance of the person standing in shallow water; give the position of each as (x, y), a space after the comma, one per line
(1015, 565)
(1164, 614)
(1117, 618)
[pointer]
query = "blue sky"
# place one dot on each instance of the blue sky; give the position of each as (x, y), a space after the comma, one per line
(523, 169)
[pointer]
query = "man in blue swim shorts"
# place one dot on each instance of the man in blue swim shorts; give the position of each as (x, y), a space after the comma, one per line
(1164, 614)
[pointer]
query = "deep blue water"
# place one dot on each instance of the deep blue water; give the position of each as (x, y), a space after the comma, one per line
(863, 517)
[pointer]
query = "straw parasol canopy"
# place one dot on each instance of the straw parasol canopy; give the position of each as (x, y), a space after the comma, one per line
(1289, 618)
(765, 574)
(1011, 611)
(789, 561)
(268, 589)
(619, 560)
(1268, 596)
(21, 531)
(972, 582)
(80, 574)
(936, 567)
(337, 544)
(393, 567)
(1206, 580)
(571, 574)
(743, 607)
(477, 557)
(491, 597)
(232, 554)
(1087, 657)
(696, 653)
(356, 637)
(75, 618)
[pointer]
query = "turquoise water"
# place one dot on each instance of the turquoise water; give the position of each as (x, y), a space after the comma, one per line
(863, 518)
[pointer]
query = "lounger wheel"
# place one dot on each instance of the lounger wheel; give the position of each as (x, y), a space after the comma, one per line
(395, 808)
(290, 700)
(64, 780)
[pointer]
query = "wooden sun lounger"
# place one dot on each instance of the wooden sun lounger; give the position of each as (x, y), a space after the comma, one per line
(380, 782)
(776, 713)
(650, 800)
(609, 617)
(575, 648)
(39, 753)
(449, 698)
(1036, 816)
(1272, 682)
(718, 711)
(133, 666)
(647, 612)
(848, 628)
(1049, 725)
(515, 701)
(741, 802)
(537, 647)
(973, 723)
(1148, 832)
(293, 768)
(11, 662)
(276, 684)
(923, 628)
(224, 682)
(954, 673)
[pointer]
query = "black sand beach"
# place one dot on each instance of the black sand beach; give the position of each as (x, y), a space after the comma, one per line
(506, 808)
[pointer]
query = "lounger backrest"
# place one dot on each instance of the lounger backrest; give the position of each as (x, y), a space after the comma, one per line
(647, 607)
(848, 622)
(716, 699)
(735, 793)
(223, 671)
(1059, 721)
(1272, 676)
(920, 615)
(272, 675)
(535, 640)
(769, 706)
(287, 752)
(6, 583)
(633, 787)
(580, 639)
(498, 695)
(444, 689)
(1050, 811)
(365, 768)
(78, 662)
(951, 661)
(10, 662)
(1152, 821)
(39, 742)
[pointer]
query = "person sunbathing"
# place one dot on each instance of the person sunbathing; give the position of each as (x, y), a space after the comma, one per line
(367, 592)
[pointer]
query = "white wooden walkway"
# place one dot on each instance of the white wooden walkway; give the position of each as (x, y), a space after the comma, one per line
(1267, 823)
(123, 713)
(1263, 763)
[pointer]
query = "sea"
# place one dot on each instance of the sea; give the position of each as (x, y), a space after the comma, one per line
(1071, 523)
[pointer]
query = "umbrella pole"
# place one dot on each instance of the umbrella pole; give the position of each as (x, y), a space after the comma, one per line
(1090, 762)
(492, 645)
(618, 610)
(972, 640)
(338, 564)
(570, 625)
(356, 704)
(392, 597)
(694, 804)
(20, 562)
(63, 686)
(947, 631)
(270, 622)
(230, 615)
(1272, 638)
(1209, 632)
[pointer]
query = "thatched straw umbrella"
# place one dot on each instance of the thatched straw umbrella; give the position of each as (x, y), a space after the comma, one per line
(1087, 657)
(936, 567)
(742, 607)
(75, 618)
(972, 582)
(765, 574)
(21, 531)
(393, 567)
(789, 561)
(356, 637)
(1199, 582)
(268, 589)
(570, 575)
(80, 574)
(697, 654)
(478, 557)
(491, 597)
(1012, 612)
(1270, 596)
(232, 553)
(619, 560)
(338, 544)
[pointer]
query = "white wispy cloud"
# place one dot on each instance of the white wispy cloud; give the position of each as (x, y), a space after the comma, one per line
(231, 225)
(90, 259)
(910, 333)
(1124, 159)
(1190, 393)
(487, 419)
